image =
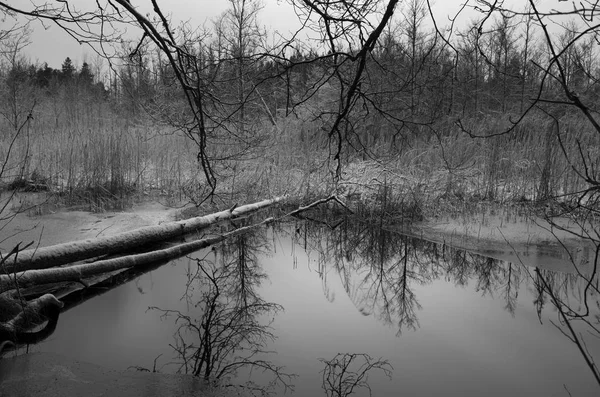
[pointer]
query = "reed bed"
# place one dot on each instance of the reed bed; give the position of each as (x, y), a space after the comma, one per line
(90, 156)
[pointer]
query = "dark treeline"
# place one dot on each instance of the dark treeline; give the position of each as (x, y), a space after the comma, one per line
(413, 76)
(47, 77)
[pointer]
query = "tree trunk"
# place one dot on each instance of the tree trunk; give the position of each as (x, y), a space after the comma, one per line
(80, 272)
(60, 254)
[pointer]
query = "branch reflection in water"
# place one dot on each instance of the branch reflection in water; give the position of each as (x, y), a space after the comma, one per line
(348, 373)
(227, 329)
(386, 275)
(380, 269)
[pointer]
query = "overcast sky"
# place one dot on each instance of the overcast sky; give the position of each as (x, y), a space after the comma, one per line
(53, 45)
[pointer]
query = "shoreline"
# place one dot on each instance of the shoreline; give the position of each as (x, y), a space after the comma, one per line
(501, 234)
(531, 242)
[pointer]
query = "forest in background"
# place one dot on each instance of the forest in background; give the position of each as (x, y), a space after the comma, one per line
(413, 122)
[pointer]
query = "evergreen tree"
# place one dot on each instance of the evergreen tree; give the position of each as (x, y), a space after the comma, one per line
(44, 75)
(67, 69)
(86, 78)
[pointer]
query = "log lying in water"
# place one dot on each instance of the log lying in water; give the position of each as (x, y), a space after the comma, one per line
(60, 254)
(80, 272)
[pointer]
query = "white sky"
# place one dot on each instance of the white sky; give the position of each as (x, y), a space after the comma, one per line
(53, 45)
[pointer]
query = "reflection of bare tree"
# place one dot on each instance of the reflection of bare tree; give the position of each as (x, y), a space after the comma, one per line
(228, 333)
(240, 255)
(510, 286)
(380, 269)
(347, 373)
(573, 302)
(385, 269)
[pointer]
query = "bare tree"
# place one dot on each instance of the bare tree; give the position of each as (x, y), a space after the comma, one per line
(351, 36)
(414, 17)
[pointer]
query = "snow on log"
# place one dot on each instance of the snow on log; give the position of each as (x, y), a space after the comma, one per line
(60, 254)
(80, 272)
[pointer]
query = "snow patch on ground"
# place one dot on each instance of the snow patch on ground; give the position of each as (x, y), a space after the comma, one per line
(64, 226)
(532, 241)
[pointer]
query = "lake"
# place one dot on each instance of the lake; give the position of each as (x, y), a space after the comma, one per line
(445, 320)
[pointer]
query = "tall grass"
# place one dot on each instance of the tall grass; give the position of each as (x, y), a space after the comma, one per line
(448, 171)
(86, 154)
(96, 158)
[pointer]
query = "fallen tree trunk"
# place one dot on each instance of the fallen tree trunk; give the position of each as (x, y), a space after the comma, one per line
(80, 272)
(60, 254)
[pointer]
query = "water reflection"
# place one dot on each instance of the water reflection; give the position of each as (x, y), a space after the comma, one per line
(459, 303)
(380, 268)
(47, 312)
(348, 373)
(227, 329)
(385, 272)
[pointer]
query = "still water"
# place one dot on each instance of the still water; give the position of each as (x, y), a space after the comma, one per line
(446, 321)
